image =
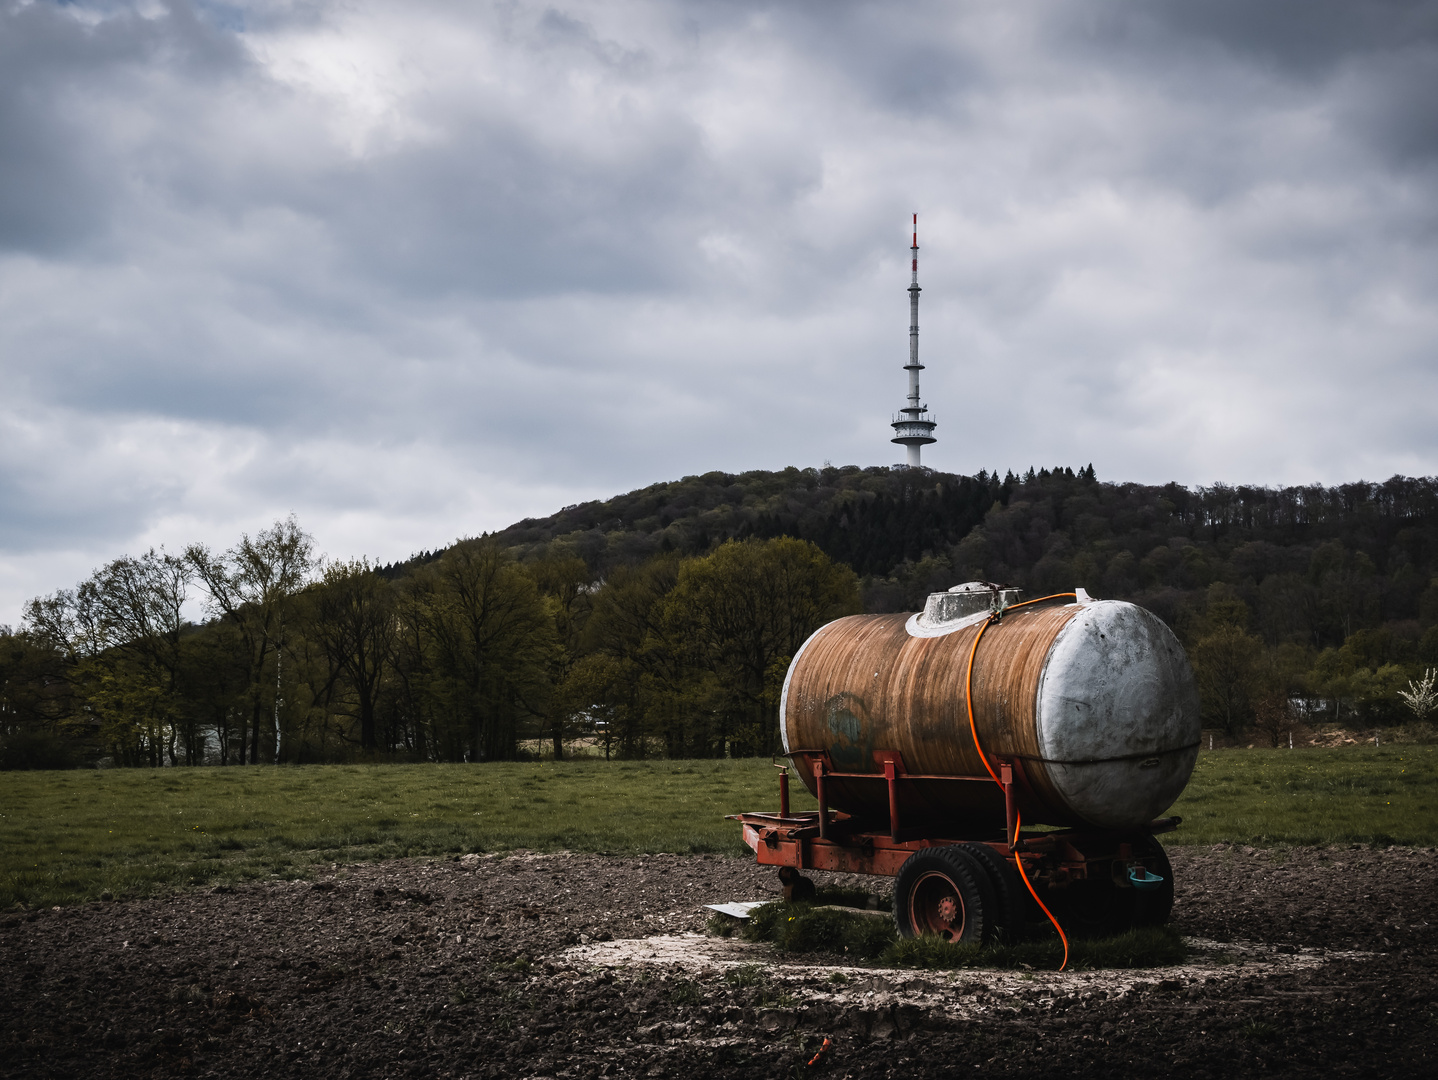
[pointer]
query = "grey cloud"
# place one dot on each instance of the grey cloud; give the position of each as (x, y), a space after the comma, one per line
(1386, 108)
(507, 218)
(1367, 67)
(913, 62)
(1305, 38)
(57, 187)
(49, 502)
(411, 272)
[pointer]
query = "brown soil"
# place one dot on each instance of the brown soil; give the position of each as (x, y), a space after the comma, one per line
(1309, 962)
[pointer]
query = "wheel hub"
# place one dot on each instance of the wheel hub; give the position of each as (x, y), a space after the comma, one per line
(948, 910)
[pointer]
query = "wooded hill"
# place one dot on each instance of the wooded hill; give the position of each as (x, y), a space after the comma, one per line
(873, 519)
(635, 625)
(1311, 564)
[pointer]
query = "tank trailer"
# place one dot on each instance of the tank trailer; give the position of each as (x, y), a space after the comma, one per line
(937, 744)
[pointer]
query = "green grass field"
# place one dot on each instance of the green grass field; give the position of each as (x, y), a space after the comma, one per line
(1351, 795)
(69, 836)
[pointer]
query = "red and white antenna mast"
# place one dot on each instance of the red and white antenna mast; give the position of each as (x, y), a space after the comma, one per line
(913, 429)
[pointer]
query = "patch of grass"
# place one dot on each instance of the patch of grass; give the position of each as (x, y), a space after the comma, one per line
(684, 992)
(514, 998)
(1312, 796)
(746, 975)
(1157, 946)
(1154, 946)
(460, 994)
(800, 928)
(803, 927)
(520, 965)
(778, 998)
(1258, 1030)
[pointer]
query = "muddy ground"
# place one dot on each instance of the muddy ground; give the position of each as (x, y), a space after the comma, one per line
(1307, 962)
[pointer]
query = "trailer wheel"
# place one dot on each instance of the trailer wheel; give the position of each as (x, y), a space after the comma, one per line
(944, 891)
(1009, 895)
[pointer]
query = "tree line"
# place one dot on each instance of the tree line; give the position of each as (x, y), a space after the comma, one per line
(463, 658)
(661, 621)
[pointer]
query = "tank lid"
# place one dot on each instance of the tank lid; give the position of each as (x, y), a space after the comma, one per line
(973, 586)
(961, 602)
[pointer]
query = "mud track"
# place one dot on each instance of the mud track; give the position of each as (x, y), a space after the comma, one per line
(1307, 962)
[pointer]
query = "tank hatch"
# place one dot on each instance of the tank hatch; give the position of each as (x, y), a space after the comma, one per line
(943, 609)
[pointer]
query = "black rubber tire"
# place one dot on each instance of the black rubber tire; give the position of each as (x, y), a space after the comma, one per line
(1153, 906)
(945, 891)
(1009, 892)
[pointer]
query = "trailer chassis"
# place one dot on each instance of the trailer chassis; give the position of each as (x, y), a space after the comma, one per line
(1093, 864)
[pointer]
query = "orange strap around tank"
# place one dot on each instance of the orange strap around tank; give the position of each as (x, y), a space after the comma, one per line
(973, 729)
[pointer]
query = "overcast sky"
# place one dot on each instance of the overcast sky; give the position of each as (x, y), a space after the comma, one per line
(414, 270)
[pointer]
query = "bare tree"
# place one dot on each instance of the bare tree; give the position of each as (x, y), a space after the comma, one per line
(1273, 717)
(121, 628)
(252, 586)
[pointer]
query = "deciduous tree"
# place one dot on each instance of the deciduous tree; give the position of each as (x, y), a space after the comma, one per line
(744, 611)
(481, 620)
(353, 619)
(252, 586)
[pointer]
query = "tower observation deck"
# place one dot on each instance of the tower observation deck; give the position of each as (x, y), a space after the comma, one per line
(912, 428)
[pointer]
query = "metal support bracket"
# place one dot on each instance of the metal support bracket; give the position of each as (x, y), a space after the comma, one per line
(1011, 805)
(893, 763)
(783, 767)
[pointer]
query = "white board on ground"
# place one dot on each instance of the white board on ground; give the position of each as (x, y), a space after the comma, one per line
(739, 909)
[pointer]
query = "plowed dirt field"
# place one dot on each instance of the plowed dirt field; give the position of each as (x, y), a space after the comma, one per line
(1307, 962)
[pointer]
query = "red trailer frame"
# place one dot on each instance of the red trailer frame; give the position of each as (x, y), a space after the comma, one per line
(830, 840)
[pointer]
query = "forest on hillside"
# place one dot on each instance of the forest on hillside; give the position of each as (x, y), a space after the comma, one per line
(662, 621)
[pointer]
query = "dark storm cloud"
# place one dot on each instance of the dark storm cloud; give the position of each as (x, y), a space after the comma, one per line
(1369, 66)
(56, 72)
(1310, 39)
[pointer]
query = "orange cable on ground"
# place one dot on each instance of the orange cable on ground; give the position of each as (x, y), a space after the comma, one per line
(813, 1061)
(973, 729)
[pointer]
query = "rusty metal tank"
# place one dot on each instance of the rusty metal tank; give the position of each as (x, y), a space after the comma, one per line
(1092, 700)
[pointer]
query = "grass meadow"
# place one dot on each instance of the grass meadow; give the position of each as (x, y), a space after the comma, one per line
(72, 836)
(1304, 797)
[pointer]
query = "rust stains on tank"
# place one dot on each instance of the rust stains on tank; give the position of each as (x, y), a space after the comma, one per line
(865, 684)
